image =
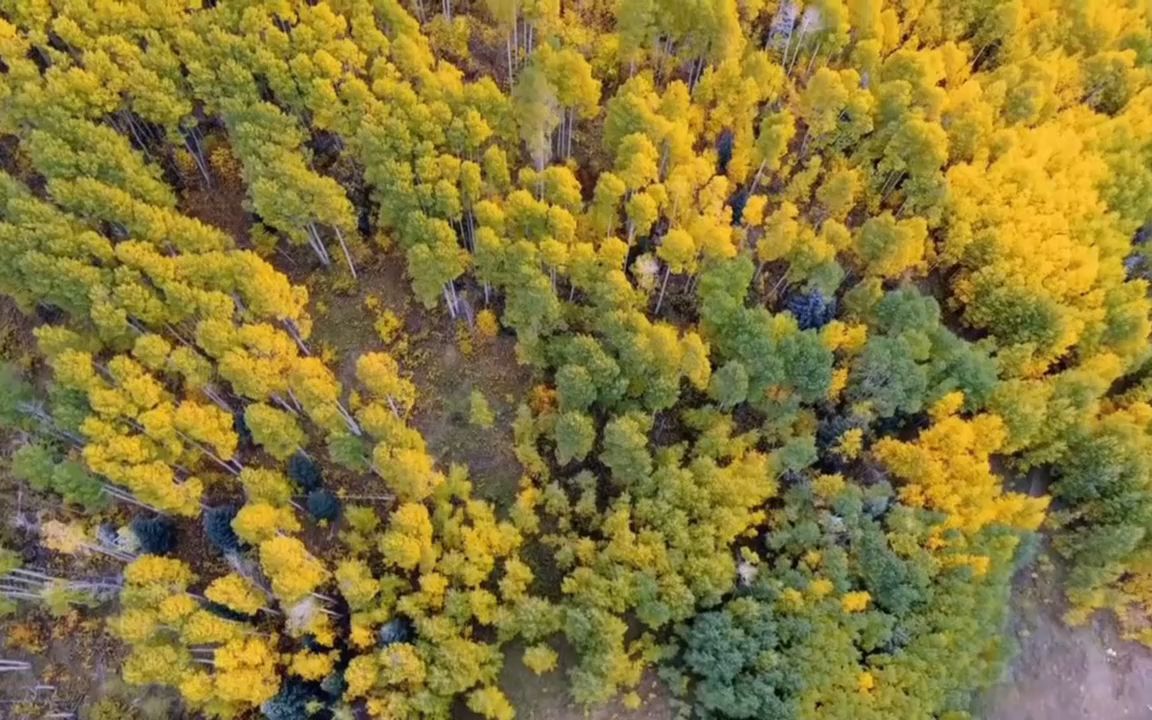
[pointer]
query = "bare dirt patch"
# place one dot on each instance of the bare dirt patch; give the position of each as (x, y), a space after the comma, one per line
(1063, 673)
(221, 206)
(445, 360)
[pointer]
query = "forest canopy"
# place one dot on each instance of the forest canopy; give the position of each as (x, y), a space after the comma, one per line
(806, 323)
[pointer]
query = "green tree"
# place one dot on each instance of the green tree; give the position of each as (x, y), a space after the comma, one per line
(729, 385)
(625, 448)
(575, 435)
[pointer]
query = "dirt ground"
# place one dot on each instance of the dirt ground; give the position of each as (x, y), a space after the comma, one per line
(444, 370)
(1062, 673)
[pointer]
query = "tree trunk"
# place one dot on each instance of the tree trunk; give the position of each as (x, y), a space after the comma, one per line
(895, 183)
(508, 47)
(294, 331)
(347, 255)
(448, 301)
(317, 245)
(804, 141)
(229, 465)
(349, 420)
(571, 129)
(217, 399)
(663, 287)
(125, 496)
(295, 401)
(759, 270)
(787, 43)
(197, 152)
(13, 665)
(131, 125)
(776, 287)
(284, 404)
(759, 175)
(795, 54)
(812, 62)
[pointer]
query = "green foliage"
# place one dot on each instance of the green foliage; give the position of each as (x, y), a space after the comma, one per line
(626, 448)
(37, 466)
(479, 411)
(888, 378)
(349, 452)
(305, 472)
(662, 201)
(217, 523)
(323, 505)
(729, 385)
(157, 535)
(575, 436)
(811, 613)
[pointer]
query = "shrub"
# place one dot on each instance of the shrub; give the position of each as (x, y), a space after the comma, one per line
(157, 535)
(218, 527)
(291, 703)
(398, 630)
(323, 505)
(349, 451)
(306, 472)
(812, 310)
(479, 411)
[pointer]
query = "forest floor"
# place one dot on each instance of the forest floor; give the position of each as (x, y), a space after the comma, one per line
(446, 362)
(1065, 673)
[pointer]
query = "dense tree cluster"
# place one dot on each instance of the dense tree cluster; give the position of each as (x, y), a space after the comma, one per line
(800, 284)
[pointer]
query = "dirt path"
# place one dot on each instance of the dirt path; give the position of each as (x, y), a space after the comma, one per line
(1062, 673)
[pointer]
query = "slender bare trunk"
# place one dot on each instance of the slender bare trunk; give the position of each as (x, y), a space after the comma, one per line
(511, 73)
(344, 248)
(295, 400)
(795, 54)
(317, 245)
(895, 183)
(229, 465)
(353, 426)
(198, 155)
(812, 62)
(787, 44)
(125, 496)
(217, 399)
(14, 666)
(663, 287)
(776, 287)
(804, 141)
(759, 176)
(284, 404)
(294, 331)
